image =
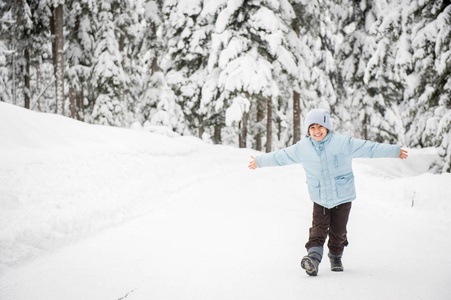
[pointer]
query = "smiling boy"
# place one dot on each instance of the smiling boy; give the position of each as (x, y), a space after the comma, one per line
(327, 161)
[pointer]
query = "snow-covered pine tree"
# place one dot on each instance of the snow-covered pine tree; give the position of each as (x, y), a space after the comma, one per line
(215, 120)
(57, 31)
(9, 32)
(318, 72)
(298, 82)
(444, 100)
(352, 52)
(136, 26)
(386, 70)
(154, 102)
(107, 75)
(290, 78)
(429, 103)
(24, 33)
(250, 53)
(5, 79)
(16, 29)
(79, 55)
(42, 90)
(187, 46)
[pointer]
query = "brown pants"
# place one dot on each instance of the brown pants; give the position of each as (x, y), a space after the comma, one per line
(330, 222)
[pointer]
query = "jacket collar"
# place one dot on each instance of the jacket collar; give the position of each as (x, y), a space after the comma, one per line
(325, 140)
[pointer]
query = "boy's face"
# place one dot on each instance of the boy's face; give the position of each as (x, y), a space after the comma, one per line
(317, 132)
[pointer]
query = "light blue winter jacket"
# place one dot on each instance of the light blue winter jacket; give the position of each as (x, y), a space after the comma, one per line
(328, 164)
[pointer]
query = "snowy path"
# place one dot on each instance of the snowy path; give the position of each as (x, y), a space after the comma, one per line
(90, 212)
(236, 236)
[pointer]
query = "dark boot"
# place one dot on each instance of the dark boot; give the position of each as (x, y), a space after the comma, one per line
(310, 263)
(335, 262)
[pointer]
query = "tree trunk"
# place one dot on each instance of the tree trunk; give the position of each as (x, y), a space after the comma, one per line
(260, 116)
(201, 126)
(243, 130)
(59, 59)
(279, 122)
(38, 81)
(72, 100)
(296, 97)
(14, 78)
(80, 105)
(364, 129)
(296, 117)
(27, 79)
(269, 126)
(13, 46)
(52, 34)
(121, 50)
(217, 139)
(154, 66)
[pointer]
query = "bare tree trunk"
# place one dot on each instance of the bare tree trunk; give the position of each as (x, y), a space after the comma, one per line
(52, 33)
(14, 78)
(38, 81)
(269, 126)
(296, 117)
(364, 128)
(74, 95)
(260, 116)
(154, 67)
(217, 139)
(279, 121)
(27, 79)
(201, 126)
(14, 43)
(79, 100)
(72, 100)
(59, 59)
(296, 97)
(121, 50)
(243, 130)
(80, 106)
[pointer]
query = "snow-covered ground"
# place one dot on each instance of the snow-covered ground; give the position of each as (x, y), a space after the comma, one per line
(93, 212)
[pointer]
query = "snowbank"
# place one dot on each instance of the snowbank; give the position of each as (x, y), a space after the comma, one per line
(63, 179)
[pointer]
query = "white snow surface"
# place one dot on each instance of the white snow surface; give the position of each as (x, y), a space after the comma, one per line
(95, 212)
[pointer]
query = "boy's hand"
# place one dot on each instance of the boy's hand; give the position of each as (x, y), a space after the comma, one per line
(253, 164)
(403, 154)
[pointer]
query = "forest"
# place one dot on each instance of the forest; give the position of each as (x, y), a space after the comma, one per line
(236, 72)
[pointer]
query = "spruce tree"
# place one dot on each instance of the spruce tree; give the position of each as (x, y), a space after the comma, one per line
(80, 57)
(185, 61)
(107, 74)
(318, 70)
(430, 104)
(251, 54)
(156, 104)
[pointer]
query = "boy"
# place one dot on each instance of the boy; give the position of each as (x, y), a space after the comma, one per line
(327, 161)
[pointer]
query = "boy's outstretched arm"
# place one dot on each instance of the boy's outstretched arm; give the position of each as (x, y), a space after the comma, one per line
(253, 164)
(403, 154)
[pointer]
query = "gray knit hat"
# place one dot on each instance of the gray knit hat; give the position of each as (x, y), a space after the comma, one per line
(318, 116)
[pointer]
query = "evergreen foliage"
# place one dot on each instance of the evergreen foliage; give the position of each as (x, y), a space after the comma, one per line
(229, 70)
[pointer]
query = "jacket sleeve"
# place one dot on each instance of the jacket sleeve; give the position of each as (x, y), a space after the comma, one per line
(287, 156)
(363, 148)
